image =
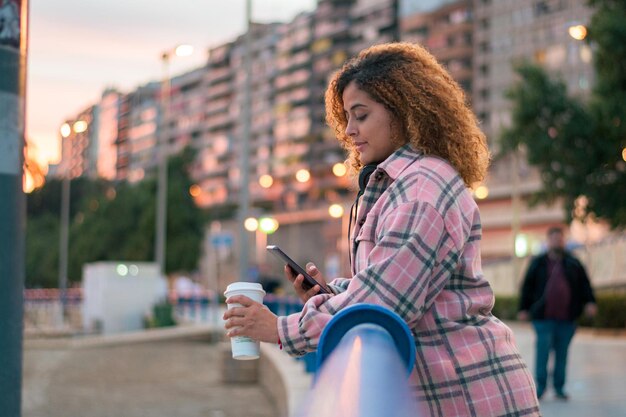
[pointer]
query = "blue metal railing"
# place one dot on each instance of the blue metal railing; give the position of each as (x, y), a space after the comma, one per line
(365, 356)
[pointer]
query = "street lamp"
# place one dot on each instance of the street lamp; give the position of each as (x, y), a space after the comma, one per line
(262, 227)
(578, 32)
(244, 149)
(162, 153)
(78, 127)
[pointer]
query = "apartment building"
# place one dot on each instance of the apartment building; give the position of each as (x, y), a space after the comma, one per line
(221, 129)
(108, 115)
(137, 133)
(479, 41)
(508, 32)
(214, 144)
(372, 22)
(262, 186)
(292, 152)
(79, 145)
(185, 111)
(505, 33)
(447, 32)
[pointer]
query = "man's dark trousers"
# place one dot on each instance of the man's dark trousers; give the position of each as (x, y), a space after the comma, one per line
(557, 335)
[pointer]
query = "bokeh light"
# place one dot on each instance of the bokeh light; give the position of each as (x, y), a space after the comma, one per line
(339, 169)
(65, 130)
(80, 126)
(303, 175)
(266, 181)
(251, 224)
(578, 32)
(481, 192)
(195, 190)
(268, 225)
(335, 211)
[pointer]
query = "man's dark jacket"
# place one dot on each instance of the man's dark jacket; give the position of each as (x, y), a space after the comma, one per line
(533, 287)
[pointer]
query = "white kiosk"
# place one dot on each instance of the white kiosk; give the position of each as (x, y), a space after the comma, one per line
(118, 295)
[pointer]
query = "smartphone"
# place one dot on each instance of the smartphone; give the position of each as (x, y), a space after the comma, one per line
(309, 282)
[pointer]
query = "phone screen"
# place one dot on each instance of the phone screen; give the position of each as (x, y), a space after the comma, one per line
(309, 282)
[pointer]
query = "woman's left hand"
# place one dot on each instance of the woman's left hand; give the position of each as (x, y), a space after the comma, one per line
(252, 319)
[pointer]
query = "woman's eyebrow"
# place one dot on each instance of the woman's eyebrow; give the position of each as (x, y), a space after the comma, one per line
(354, 106)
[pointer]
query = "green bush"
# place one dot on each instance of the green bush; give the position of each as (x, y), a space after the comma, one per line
(163, 315)
(611, 311)
(505, 307)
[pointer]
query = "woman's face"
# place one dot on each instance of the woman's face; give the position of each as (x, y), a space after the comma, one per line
(369, 125)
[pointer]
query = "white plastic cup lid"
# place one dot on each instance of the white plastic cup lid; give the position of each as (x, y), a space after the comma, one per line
(244, 286)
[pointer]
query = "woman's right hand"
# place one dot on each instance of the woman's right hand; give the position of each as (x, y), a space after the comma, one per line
(298, 280)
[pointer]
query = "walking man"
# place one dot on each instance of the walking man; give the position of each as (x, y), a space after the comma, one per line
(555, 292)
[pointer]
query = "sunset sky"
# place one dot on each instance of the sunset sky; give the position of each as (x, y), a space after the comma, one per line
(77, 48)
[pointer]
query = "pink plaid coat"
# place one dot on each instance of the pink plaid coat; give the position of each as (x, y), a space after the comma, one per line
(416, 251)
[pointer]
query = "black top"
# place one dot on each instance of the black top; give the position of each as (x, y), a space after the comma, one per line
(533, 288)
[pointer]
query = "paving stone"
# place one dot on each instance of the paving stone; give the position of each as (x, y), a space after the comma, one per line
(169, 378)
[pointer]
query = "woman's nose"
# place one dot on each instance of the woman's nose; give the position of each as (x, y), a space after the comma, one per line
(351, 129)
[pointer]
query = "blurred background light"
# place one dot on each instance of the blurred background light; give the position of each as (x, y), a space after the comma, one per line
(303, 175)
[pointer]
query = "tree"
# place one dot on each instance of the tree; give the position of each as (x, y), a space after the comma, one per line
(110, 228)
(42, 251)
(578, 147)
(607, 33)
(42, 227)
(185, 221)
(112, 223)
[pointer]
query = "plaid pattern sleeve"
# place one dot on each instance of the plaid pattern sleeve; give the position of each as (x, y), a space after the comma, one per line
(416, 247)
(339, 285)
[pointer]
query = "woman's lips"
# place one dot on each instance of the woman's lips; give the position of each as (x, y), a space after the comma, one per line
(360, 146)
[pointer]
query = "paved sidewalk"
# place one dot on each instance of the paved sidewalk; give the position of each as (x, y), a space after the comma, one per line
(180, 378)
(596, 378)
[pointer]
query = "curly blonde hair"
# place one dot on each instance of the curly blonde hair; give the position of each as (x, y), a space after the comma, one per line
(427, 105)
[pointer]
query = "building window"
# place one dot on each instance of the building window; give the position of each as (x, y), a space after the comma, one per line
(541, 8)
(540, 56)
(466, 85)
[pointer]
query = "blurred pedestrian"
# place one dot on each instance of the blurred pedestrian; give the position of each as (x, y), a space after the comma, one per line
(555, 292)
(416, 148)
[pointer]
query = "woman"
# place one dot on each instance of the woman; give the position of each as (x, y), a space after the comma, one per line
(415, 243)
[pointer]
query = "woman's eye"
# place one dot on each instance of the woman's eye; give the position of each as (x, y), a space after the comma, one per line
(361, 118)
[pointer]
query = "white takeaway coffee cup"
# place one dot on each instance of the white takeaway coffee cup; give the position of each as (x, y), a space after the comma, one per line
(243, 347)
